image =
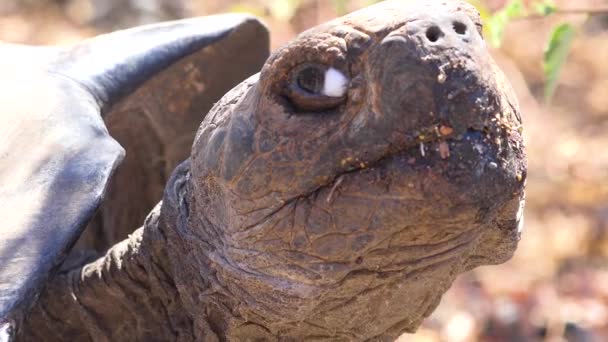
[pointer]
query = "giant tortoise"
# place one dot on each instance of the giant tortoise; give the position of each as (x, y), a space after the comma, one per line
(335, 195)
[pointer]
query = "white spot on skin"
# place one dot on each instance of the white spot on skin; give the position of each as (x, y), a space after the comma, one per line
(520, 225)
(5, 332)
(335, 83)
(520, 216)
(422, 149)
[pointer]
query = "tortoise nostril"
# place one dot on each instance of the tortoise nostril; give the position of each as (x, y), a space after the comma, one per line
(433, 33)
(459, 27)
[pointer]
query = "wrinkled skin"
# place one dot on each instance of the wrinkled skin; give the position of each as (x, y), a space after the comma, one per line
(301, 217)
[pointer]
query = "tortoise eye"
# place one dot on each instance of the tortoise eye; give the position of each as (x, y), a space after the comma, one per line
(316, 87)
(311, 79)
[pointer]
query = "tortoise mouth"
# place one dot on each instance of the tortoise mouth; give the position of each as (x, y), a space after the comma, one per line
(476, 169)
(423, 195)
(480, 165)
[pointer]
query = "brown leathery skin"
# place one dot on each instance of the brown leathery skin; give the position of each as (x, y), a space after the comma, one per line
(342, 224)
(375, 253)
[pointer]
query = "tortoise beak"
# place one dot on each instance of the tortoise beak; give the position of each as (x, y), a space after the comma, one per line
(436, 68)
(436, 71)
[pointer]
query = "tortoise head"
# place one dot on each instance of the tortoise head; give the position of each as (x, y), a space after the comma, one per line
(373, 159)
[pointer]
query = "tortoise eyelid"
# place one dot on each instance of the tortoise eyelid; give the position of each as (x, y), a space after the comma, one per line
(331, 95)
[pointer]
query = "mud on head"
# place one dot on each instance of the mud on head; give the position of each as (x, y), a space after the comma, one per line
(379, 154)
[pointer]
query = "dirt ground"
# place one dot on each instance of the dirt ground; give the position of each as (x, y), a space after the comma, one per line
(556, 286)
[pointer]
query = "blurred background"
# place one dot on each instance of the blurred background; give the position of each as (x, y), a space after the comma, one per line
(556, 286)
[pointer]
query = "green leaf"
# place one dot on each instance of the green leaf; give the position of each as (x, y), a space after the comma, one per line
(495, 27)
(514, 9)
(545, 8)
(496, 24)
(555, 56)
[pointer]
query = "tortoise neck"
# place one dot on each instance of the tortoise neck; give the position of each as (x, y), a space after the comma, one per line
(128, 294)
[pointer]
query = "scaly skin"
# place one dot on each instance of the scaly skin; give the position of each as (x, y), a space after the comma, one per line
(302, 217)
